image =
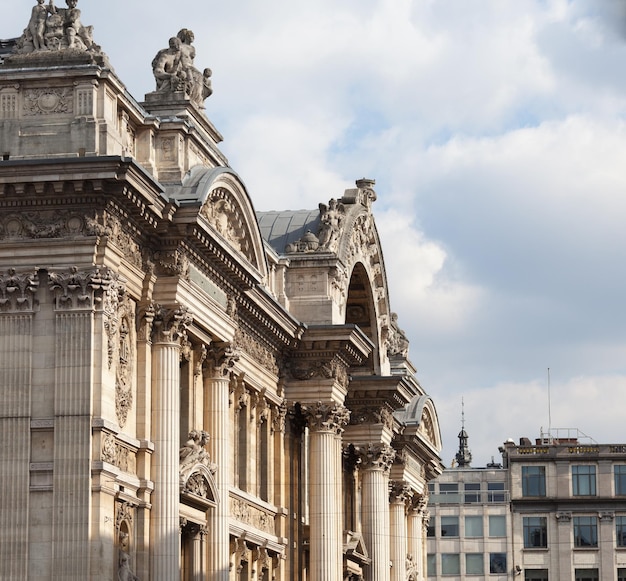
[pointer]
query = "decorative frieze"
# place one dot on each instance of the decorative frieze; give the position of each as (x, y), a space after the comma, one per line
(117, 454)
(372, 415)
(303, 370)
(17, 291)
(247, 344)
(249, 514)
(172, 263)
(49, 101)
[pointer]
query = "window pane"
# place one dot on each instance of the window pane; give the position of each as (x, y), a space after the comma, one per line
(585, 531)
(533, 481)
(495, 492)
(620, 479)
(431, 565)
(584, 480)
(497, 562)
(449, 526)
(448, 488)
(586, 575)
(536, 575)
(450, 564)
(473, 526)
(535, 532)
(620, 531)
(472, 492)
(474, 564)
(621, 574)
(497, 526)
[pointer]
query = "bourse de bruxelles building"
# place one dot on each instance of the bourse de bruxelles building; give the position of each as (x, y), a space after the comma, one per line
(188, 389)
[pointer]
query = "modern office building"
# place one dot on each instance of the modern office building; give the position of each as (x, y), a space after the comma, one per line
(555, 509)
(469, 526)
(188, 389)
(568, 507)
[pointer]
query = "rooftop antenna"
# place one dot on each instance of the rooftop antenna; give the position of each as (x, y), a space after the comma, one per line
(549, 408)
(462, 413)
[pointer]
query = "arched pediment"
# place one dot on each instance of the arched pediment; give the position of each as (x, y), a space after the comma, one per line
(421, 413)
(226, 209)
(197, 484)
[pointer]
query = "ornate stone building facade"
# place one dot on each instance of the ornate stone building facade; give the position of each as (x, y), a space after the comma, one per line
(188, 390)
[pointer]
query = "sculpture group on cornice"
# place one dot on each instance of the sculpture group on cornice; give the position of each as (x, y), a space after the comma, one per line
(56, 29)
(174, 70)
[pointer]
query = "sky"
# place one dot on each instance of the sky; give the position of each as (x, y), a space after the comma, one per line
(496, 133)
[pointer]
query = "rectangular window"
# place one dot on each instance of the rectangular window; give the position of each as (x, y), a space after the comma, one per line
(585, 531)
(533, 481)
(448, 488)
(431, 488)
(473, 526)
(620, 479)
(536, 575)
(584, 480)
(472, 492)
(620, 531)
(535, 532)
(430, 531)
(450, 564)
(586, 575)
(621, 574)
(449, 526)
(497, 526)
(431, 565)
(497, 562)
(495, 492)
(474, 564)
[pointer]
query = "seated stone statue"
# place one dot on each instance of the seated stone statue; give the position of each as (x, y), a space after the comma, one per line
(174, 70)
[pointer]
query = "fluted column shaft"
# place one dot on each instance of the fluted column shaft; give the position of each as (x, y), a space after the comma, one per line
(216, 422)
(376, 461)
(168, 329)
(166, 423)
(398, 530)
(15, 396)
(326, 423)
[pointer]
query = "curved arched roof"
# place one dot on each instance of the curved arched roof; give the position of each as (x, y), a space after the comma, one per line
(285, 227)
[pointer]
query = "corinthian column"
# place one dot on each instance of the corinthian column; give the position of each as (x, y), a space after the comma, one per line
(220, 359)
(400, 493)
(326, 421)
(167, 331)
(376, 460)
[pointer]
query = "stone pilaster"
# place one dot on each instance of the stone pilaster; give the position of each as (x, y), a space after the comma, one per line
(77, 293)
(16, 351)
(417, 524)
(219, 362)
(376, 460)
(168, 330)
(400, 493)
(326, 422)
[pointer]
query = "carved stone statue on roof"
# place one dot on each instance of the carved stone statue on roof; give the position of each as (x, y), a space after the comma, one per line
(54, 34)
(174, 70)
(52, 28)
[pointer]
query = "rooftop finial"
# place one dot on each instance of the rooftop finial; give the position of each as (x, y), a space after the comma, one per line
(463, 456)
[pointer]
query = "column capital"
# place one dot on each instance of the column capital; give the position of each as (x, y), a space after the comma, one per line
(221, 358)
(376, 456)
(326, 416)
(17, 291)
(80, 289)
(170, 323)
(399, 492)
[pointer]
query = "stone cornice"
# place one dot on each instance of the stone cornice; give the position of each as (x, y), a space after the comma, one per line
(367, 391)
